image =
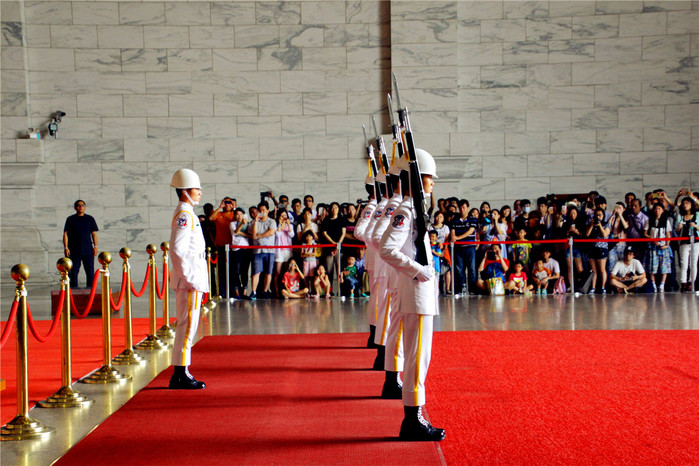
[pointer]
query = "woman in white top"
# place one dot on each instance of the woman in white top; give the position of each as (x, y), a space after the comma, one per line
(282, 237)
(307, 224)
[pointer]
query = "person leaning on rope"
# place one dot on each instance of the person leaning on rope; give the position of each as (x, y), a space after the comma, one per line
(189, 274)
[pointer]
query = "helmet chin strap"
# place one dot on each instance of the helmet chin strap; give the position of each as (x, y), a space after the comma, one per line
(192, 201)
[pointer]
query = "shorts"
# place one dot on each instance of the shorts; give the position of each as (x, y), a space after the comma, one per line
(282, 255)
(309, 268)
(263, 263)
(577, 253)
(599, 253)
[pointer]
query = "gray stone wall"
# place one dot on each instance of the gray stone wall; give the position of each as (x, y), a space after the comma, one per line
(516, 99)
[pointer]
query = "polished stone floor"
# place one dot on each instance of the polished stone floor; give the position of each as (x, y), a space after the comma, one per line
(614, 312)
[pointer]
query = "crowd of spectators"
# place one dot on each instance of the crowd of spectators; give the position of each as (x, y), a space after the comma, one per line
(524, 265)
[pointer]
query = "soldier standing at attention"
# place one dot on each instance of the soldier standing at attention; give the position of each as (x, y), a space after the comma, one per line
(189, 274)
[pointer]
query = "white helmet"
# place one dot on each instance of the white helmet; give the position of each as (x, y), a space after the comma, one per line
(426, 163)
(184, 178)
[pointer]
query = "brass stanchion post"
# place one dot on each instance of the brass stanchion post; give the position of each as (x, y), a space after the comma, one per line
(152, 341)
(166, 331)
(107, 373)
(22, 426)
(66, 396)
(128, 356)
(210, 304)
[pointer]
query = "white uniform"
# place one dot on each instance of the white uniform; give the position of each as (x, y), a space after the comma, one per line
(359, 232)
(379, 284)
(189, 278)
(418, 300)
(390, 334)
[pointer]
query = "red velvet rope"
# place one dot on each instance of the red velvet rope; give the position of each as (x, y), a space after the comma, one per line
(116, 307)
(561, 241)
(157, 286)
(145, 283)
(74, 308)
(205, 299)
(10, 323)
(214, 261)
(298, 246)
(629, 240)
(541, 241)
(54, 324)
(166, 274)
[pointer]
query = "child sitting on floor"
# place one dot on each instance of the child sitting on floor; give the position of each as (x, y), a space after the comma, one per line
(538, 275)
(350, 275)
(321, 283)
(292, 282)
(518, 280)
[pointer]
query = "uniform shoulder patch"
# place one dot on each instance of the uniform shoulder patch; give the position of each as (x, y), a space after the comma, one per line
(183, 220)
(367, 214)
(398, 221)
(377, 214)
(389, 211)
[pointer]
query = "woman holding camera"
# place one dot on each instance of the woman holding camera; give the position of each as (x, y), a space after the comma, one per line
(599, 252)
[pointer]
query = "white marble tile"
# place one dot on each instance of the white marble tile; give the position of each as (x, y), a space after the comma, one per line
(268, 171)
(29, 150)
(288, 59)
(571, 97)
(573, 184)
(596, 164)
(433, 55)
(618, 95)
(235, 104)
(127, 218)
(458, 168)
(595, 73)
(668, 138)
(161, 172)
(683, 22)
(99, 197)
(307, 170)
(545, 28)
(503, 76)
(573, 142)
(325, 147)
(503, 120)
(527, 143)
(619, 50)
(121, 83)
(644, 24)
(19, 174)
(234, 59)
(187, 14)
(132, 13)
(98, 60)
(324, 103)
(144, 60)
(639, 163)
(595, 26)
(682, 161)
(468, 32)
(73, 36)
(263, 126)
(525, 9)
(551, 165)
(59, 150)
(671, 182)
(571, 8)
(245, 81)
(145, 105)
(667, 92)
(146, 150)
(523, 188)
(189, 60)
(80, 128)
(478, 54)
(12, 58)
(175, 82)
(424, 31)
(215, 127)
(302, 35)
(227, 149)
(503, 30)
(571, 51)
(615, 187)
(45, 59)
(520, 53)
(14, 104)
(595, 118)
(353, 170)
(278, 13)
(620, 140)
(468, 122)
(124, 128)
(481, 143)
(48, 12)
(91, 105)
(644, 70)
(282, 148)
(479, 10)
(609, 7)
(38, 35)
(11, 11)
(326, 12)
(682, 115)
(13, 81)
(315, 58)
(102, 150)
(548, 120)
(232, 13)
(344, 125)
(205, 37)
(509, 166)
(97, 13)
(217, 172)
(256, 36)
(166, 37)
(174, 127)
(630, 117)
(191, 105)
(367, 57)
(663, 47)
(303, 125)
(368, 11)
(90, 173)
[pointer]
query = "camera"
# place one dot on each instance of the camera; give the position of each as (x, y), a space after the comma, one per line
(59, 115)
(265, 194)
(490, 255)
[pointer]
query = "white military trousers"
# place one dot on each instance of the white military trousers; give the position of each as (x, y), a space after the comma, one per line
(417, 341)
(188, 307)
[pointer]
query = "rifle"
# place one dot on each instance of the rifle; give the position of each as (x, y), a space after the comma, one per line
(395, 129)
(416, 189)
(384, 160)
(374, 168)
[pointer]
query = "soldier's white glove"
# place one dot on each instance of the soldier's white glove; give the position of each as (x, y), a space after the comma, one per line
(425, 274)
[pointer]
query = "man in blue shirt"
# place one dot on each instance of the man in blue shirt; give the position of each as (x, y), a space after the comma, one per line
(80, 243)
(463, 228)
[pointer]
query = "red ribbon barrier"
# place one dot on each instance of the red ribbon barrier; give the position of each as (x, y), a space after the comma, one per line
(116, 307)
(214, 261)
(54, 324)
(629, 240)
(74, 308)
(205, 299)
(158, 291)
(10, 323)
(541, 241)
(299, 246)
(145, 283)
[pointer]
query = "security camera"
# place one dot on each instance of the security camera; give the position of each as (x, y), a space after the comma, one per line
(59, 115)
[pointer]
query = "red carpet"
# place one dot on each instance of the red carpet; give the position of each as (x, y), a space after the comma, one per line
(45, 358)
(271, 399)
(563, 397)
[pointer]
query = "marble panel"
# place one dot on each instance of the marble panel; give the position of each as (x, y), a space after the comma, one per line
(166, 37)
(666, 5)
(664, 47)
(92, 105)
(503, 120)
(121, 83)
(571, 51)
(595, 27)
(234, 60)
(228, 149)
(644, 24)
(232, 13)
(256, 36)
(442, 122)
(124, 128)
(620, 140)
(205, 37)
(571, 97)
(13, 127)
(44, 82)
(503, 30)
(47, 218)
(282, 148)
(48, 12)
(369, 12)
(189, 60)
(343, 125)
(173, 127)
(429, 99)
(683, 22)
(73, 36)
(671, 182)
(8, 150)
(324, 103)
(325, 12)
(527, 143)
(482, 188)
(245, 81)
(98, 60)
(38, 35)
(667, 93)
(172, 82)
(421, 31)
(47, 196)
(523, 188)
(595, 118)
(525, 53)
(330, 191)
(215, 127)
(217, 172)
(618, 95)
(639, 163)
(29, 150)
(468, 32)
(573, 142)
(101, 150)
(81, 128)
(467, 77)
(146, 150)
(273, 58)
(98, 196)
(11, 34)
(191, 105)
(44, 59)
(235, 104)
(187, 14)
(262, 126)
(525, 98)
(595, 73)
(508, 166)
(544, 28)
(645, 70)
(161, 172)
(268, 171)
(303, 125)
(278, 13)
(503, 76)
(610, 7)
(317, 58)
(550, 165)
(57, 150)
(431, 55)
(13, 81)
(695, 137)
(14, 104)
(302, 171)
(12, 58)
(480, 143)
(596, 164)
(572, 184)
(145, 105)
(571, 8)
(89, 173)
(126, 218)
(620, 50)
(97, 13)
(668, 138)
(325, 147)
(138, 14)
(366, 57)
(144, 60)
(682, 161)
(525, 9)
(548, 120)
(353, 170)
(367, 102)
(479, 10)
(427, 10)
(476, 54)
(458, 168)
(682, 115)
(630, 117)
(19, 174)
(11, 11)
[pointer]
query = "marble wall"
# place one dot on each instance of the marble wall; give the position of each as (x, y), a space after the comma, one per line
(516, 99)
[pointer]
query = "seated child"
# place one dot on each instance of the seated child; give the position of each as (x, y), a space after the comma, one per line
(540, 275)
(362, 273)
(321, 283)
(292, 282)
(308, 254)
(350, 275)
(518, 280)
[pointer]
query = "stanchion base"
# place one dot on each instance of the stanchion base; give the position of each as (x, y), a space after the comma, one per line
(66, 397)
(128, 357)
(165, 332)
(152, 342)
(210, 305)
(106, 374)
(24, 428)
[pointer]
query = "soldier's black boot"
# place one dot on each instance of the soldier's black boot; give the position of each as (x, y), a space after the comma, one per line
(380, 356)
(183, 380)
(415, 428)
(392, 387)
(372, 333)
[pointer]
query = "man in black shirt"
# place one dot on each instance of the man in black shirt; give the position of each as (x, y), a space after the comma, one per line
(464, 228)
(80, 243)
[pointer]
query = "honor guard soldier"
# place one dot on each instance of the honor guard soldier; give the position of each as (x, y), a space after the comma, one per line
(418, 303)
(359, 232)
(189, 275)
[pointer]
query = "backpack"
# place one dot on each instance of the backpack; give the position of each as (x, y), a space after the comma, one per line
(560, 286)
